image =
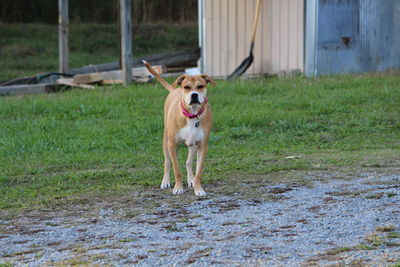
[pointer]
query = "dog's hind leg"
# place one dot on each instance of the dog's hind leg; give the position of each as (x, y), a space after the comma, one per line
(189, 165)
(201, 155)
(167, 164)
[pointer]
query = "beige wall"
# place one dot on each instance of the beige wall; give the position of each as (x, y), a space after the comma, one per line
(227, 33)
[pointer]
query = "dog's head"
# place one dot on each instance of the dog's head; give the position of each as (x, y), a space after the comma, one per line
(194, 88)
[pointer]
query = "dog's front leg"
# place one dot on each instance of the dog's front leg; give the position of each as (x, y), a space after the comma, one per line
(201, 155)
(167, 164)
(178, 189)
(189, 165)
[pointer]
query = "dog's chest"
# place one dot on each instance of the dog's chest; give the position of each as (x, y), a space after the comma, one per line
(191, 134)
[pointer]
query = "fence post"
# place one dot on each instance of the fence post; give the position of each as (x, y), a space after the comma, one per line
(63, 32)
(126, 41)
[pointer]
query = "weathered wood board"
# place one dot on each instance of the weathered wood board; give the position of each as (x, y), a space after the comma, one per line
(96, 77)
(29, 89)
(70, 82)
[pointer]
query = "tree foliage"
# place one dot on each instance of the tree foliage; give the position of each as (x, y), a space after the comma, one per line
(95, 11)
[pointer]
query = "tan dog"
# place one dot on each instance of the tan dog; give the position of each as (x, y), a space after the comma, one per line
(187, 120)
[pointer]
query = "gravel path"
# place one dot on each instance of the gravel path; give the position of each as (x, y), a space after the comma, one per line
(334, 221)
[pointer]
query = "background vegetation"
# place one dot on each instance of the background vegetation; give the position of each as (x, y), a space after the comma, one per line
(95, 11)
(28, 49)
(29, 37)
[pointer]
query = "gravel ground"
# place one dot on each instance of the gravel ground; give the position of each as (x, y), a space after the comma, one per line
(347, 221)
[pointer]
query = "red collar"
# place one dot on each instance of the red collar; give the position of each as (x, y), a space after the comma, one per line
(189, 115)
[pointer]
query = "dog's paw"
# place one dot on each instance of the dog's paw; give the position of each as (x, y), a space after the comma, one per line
(165, 185)
(200, 192)
(177, 191)
(190, 183)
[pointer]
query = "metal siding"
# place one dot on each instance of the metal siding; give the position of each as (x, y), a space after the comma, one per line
(216, 28)
(293, 13)
(202, 43)
(258, 44)
(279, 39)
(241, 31)
(232, 9)
(266, 37)
(311, 26)
(207, 50)
(300, 22)
(380, 31)
(224, 44)
(250, 11)
(284, 34)
(276, 48)
(337, 23)
(357, 36)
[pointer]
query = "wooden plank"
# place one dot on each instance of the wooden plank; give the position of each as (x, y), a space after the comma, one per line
(119, 81)
(29, 89)
(187, 58)
(96, 68)
(98, 76)
(126, 41)
(16, 81)
(63, 33)
(114, 75)
(70, 82)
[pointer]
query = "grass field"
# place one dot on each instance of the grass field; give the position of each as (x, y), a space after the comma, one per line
(79, 143)
(28, 49)
(56, 147)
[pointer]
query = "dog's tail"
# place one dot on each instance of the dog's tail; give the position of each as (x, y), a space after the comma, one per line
(158, 77)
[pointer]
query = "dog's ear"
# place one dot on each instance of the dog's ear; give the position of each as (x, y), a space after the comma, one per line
(178, 81)
(208, 79)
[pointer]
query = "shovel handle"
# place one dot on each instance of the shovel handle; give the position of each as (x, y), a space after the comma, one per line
(255, 22)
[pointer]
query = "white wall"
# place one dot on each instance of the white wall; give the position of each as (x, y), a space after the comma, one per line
(227, 26)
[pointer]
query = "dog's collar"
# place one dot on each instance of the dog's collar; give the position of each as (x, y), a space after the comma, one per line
(189, 115)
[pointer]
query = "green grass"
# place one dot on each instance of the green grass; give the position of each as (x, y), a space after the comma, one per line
(28, 49)
(338, 250)
(57, 146)
(394, 235)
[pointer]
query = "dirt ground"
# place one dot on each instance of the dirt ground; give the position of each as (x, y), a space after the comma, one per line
(283, 219)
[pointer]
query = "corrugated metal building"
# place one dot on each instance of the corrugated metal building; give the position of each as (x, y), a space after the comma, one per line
(348, 36)
(316, 36)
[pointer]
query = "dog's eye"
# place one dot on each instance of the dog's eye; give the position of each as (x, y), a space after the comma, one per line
(200, 86)
(187, 87)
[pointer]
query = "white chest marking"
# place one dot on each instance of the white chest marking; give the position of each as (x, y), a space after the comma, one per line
(190, 134)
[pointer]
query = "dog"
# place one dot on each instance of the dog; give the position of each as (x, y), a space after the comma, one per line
(187, 120)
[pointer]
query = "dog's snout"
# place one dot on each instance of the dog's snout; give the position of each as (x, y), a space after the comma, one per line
(194, 98)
